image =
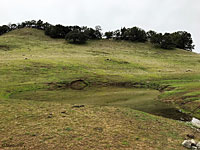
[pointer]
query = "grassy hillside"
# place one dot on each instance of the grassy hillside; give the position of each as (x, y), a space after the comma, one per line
(35, 71)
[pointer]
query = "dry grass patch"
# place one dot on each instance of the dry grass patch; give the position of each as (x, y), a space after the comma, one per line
(42, 125)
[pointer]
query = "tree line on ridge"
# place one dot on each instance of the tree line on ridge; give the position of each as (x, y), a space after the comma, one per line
(79, 35)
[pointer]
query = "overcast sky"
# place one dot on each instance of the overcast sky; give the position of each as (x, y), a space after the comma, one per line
(158, 15)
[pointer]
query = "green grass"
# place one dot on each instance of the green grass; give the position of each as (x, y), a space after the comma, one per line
(34, 66)
(197, 93)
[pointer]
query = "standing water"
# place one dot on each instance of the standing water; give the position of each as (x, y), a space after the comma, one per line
(139, 99)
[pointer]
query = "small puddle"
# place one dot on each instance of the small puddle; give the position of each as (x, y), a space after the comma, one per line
(171, 113)
(139, 99)
(159, 108)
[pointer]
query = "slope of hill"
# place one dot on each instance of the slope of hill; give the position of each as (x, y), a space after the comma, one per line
(33, 64)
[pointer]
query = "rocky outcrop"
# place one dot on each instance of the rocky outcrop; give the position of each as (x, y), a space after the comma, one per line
(191, 144)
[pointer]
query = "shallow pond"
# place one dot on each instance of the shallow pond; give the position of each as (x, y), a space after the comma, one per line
(139, 99)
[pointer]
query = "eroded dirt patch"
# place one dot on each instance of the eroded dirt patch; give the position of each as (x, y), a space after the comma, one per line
(4, 47)
(75, 85)
(78, 84)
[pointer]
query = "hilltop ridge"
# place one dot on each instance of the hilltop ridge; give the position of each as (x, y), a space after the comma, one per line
(79, 35)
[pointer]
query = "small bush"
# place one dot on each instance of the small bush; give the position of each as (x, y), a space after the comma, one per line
(76, 37)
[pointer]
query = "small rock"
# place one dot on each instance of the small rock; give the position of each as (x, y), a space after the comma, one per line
(182, 119)
(50, 115)
(198, 145)
(78, 106)
(99, 129)
(195, 122)
(189, 143)
(191, 136)
(188, 70)
(63, 111)
(194, 148)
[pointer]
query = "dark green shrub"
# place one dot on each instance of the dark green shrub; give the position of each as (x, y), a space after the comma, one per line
(183, 40)
(167, 41)
(109, 35)
(76, 37)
